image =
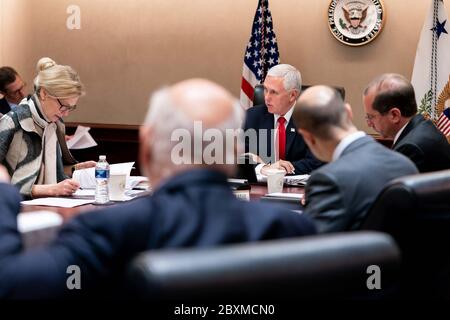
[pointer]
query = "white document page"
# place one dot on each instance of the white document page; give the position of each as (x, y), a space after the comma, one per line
(84, 193)
(298, 196)
(81, 139)
(57, 202)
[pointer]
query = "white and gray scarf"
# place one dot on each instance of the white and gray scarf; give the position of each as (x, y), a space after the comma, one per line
(47, 174)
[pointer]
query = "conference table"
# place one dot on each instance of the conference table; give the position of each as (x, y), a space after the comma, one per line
(257, 191)
(39, 237)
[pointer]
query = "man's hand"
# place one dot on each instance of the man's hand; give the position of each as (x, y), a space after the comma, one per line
(4, 176)
(280, 164)
(85, 165)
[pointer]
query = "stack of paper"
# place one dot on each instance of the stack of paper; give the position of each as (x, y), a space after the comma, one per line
(297, 180)
(81, 139)
(86, 177)
(138, 183)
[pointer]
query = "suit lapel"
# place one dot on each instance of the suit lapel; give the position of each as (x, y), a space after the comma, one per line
(268, 124)
(411, 125)
(291, 133)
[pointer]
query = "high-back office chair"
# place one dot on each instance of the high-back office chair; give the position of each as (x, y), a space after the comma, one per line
(310, 267)
(258, 94)
(415, 210)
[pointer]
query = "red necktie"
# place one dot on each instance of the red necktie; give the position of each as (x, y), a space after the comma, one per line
(281, 138)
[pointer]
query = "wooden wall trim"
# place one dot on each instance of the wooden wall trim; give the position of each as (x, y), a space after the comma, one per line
(120, 143)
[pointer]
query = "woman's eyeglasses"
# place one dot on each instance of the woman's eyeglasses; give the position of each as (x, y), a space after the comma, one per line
(63, 107)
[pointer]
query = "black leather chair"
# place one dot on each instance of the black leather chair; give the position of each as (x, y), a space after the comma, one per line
(415, 211)
(258, 94)
(333, 266)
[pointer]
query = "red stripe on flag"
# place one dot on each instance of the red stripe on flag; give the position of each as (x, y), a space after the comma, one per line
(444, 124)
(446, 128)
(441, 119)
(247, 88)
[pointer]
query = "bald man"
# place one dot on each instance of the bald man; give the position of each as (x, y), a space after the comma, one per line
(339, 194)
(192, 204)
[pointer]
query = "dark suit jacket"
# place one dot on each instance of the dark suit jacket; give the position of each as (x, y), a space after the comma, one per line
(424, 144)
(4, 106)
(297, 152)
(194, 209)
(339, 194)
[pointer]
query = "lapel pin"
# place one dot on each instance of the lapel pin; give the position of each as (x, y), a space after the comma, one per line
(292, 130)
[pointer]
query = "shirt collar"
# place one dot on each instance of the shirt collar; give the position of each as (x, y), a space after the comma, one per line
(12, 105)
(346, 142)
(287, 116)
(399, 133)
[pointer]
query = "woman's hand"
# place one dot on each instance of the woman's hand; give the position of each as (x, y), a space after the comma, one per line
(4, 176)
(64, 188)
(85, 165)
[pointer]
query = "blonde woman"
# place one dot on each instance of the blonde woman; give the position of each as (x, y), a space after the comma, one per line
(29, 147)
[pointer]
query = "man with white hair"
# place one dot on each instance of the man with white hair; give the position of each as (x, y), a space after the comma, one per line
(192, 204)
(270, 134)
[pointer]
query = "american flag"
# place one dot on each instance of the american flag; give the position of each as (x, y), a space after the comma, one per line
(261, 53)
(443, 123)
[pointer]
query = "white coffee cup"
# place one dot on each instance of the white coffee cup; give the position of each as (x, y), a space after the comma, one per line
(275, 180)
(117, 183)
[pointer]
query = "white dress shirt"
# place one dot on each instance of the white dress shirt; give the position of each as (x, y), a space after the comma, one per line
(346, 142)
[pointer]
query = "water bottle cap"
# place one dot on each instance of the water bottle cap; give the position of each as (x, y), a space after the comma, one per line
(102, 157)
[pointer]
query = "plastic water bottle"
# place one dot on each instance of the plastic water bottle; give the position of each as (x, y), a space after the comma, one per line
(102, 179)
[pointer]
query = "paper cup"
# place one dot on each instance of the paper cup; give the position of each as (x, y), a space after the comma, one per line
(117, 183)
(275, 180)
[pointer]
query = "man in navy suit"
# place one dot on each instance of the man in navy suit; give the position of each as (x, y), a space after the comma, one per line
(271, 135)
(12, 88)
(339, 194)
(192, 204)
(391, 110)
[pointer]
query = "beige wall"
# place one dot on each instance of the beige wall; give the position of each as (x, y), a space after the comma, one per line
(126, 49)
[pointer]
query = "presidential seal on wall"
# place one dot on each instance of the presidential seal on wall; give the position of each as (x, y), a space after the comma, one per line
(356, 22)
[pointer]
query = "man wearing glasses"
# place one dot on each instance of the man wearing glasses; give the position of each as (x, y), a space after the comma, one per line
(391, 110)
(12, 88)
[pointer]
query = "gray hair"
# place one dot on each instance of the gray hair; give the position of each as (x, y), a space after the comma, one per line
(167, 121)
(292, 79)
